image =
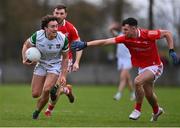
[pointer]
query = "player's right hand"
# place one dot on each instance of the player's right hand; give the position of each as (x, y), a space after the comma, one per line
(61, 80)
(174, 57)
(78, 45)
(75, 67)
(28, 62)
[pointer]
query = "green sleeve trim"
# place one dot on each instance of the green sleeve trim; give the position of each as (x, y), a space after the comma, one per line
(65, 47)
(33, 38)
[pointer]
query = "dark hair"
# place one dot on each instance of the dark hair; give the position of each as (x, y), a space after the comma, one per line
(130, 21)
(46, 19)
(61, 6)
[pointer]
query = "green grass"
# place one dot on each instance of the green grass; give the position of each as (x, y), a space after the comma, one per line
(94, 107)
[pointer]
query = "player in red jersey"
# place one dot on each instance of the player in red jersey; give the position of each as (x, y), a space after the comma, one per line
(60, 11)
(144, 54)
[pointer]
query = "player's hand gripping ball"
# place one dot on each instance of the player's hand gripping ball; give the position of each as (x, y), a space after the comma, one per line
(33, 54)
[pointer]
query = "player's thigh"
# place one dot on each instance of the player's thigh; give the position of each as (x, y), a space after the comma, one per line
(142, 78)
(51, 79)
(37, 85)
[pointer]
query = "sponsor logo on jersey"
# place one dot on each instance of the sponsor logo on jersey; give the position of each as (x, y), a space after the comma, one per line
(58, 46)
(50, 46)
(152, 32)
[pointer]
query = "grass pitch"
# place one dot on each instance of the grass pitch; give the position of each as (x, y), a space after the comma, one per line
(94, 107)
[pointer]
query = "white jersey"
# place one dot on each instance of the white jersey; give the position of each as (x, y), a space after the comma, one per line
(50, 49)
(123, 57)
(122, 52)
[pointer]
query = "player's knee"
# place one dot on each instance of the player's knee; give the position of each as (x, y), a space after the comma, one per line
(47, 89)
(36, 94)
(137, 82)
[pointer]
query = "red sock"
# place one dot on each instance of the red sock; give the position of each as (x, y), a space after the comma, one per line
(50, 107)
(155, 108)
(138, 106)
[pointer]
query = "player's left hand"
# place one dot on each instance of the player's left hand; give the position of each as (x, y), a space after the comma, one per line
(29, 63)
(174, 57)
(62, 80)
(78, 45)
(75, 67)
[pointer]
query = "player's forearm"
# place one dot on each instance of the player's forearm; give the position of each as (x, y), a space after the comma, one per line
(64, 65)
(169, 39)
(23, 52)
(78, 56)
(96, 42)
(25, 47)
(101, 42)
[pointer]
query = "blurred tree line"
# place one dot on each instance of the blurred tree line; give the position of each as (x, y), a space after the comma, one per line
(19, 19)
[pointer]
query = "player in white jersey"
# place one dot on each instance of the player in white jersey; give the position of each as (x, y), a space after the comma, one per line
(52, 45)
(123, 64)
(61, 12)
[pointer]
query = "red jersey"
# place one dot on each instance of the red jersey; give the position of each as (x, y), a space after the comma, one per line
(71, 33)
(143, 49)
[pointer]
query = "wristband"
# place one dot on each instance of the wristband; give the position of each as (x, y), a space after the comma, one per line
(171, 50)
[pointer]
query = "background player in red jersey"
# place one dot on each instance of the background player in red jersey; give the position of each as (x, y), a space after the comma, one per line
(60, 11)
(144, 54)
(124, 64)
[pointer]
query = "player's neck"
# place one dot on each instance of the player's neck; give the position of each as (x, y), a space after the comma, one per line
(50, 36)
(61, 23)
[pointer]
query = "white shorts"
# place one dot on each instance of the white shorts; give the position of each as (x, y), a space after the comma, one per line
(41, 69)
(157, 70)
(124, 63)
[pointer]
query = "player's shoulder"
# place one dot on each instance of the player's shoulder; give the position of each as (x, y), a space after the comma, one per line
(69, 25)
(122, 36)
(60, 34)
(40, 33)
(142, 32)
(148, 33)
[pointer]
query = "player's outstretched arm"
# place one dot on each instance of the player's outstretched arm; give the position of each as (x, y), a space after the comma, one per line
(79, 45)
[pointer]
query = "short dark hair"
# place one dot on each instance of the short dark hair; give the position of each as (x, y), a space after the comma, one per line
(46, 19)
(61, 6)
(130, 21)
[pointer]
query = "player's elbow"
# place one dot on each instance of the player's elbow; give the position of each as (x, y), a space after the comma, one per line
(166, 33)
